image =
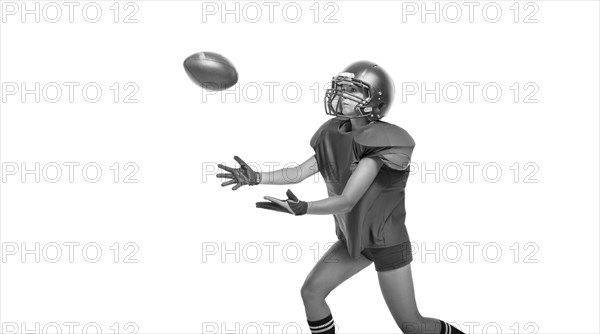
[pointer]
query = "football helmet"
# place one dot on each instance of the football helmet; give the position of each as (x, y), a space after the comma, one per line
(371, 80)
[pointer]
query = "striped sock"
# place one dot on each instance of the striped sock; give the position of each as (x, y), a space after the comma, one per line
(323, 326)
(449, 329)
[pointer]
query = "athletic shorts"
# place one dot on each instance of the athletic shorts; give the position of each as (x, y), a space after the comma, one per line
(389, 258)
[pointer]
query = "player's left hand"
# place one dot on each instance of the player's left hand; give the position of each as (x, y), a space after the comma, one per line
(292, 205)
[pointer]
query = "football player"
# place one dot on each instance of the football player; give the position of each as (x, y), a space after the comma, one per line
(365, 164)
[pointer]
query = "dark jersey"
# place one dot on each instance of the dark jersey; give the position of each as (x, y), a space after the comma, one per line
(377, 219)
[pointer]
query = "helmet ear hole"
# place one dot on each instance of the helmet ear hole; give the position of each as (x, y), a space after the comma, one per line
(381, 105)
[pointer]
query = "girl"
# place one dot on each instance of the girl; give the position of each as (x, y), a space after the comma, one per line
(365, 164)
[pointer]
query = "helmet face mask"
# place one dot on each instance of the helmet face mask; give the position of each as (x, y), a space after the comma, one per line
(365, 84)
(344, 87)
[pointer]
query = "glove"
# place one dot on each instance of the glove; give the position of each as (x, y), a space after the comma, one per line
(292, 205)
(242, 176)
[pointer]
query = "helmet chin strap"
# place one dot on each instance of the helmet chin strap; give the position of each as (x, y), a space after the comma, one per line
(352, 117)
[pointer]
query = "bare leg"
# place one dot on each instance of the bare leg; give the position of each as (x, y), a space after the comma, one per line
(399, 294)
(333, 268)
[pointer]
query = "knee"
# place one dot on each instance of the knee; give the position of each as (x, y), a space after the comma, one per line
(311, 291)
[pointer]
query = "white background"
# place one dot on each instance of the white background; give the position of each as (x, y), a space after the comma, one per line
(176, 136)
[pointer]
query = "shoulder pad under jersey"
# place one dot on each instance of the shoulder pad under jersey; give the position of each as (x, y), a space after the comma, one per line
(380, 134)
(317, 134)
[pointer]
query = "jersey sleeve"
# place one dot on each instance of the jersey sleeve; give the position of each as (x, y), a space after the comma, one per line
(317, 135)
(392, 157)
(387, 143)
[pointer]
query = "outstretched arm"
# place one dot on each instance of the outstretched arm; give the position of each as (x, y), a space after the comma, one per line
(357, 185)
(360, 180)
(291, 175)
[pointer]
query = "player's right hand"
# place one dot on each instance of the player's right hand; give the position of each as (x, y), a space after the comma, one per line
(240, 176)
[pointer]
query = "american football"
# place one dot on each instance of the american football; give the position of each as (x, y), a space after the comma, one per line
(210, 71)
